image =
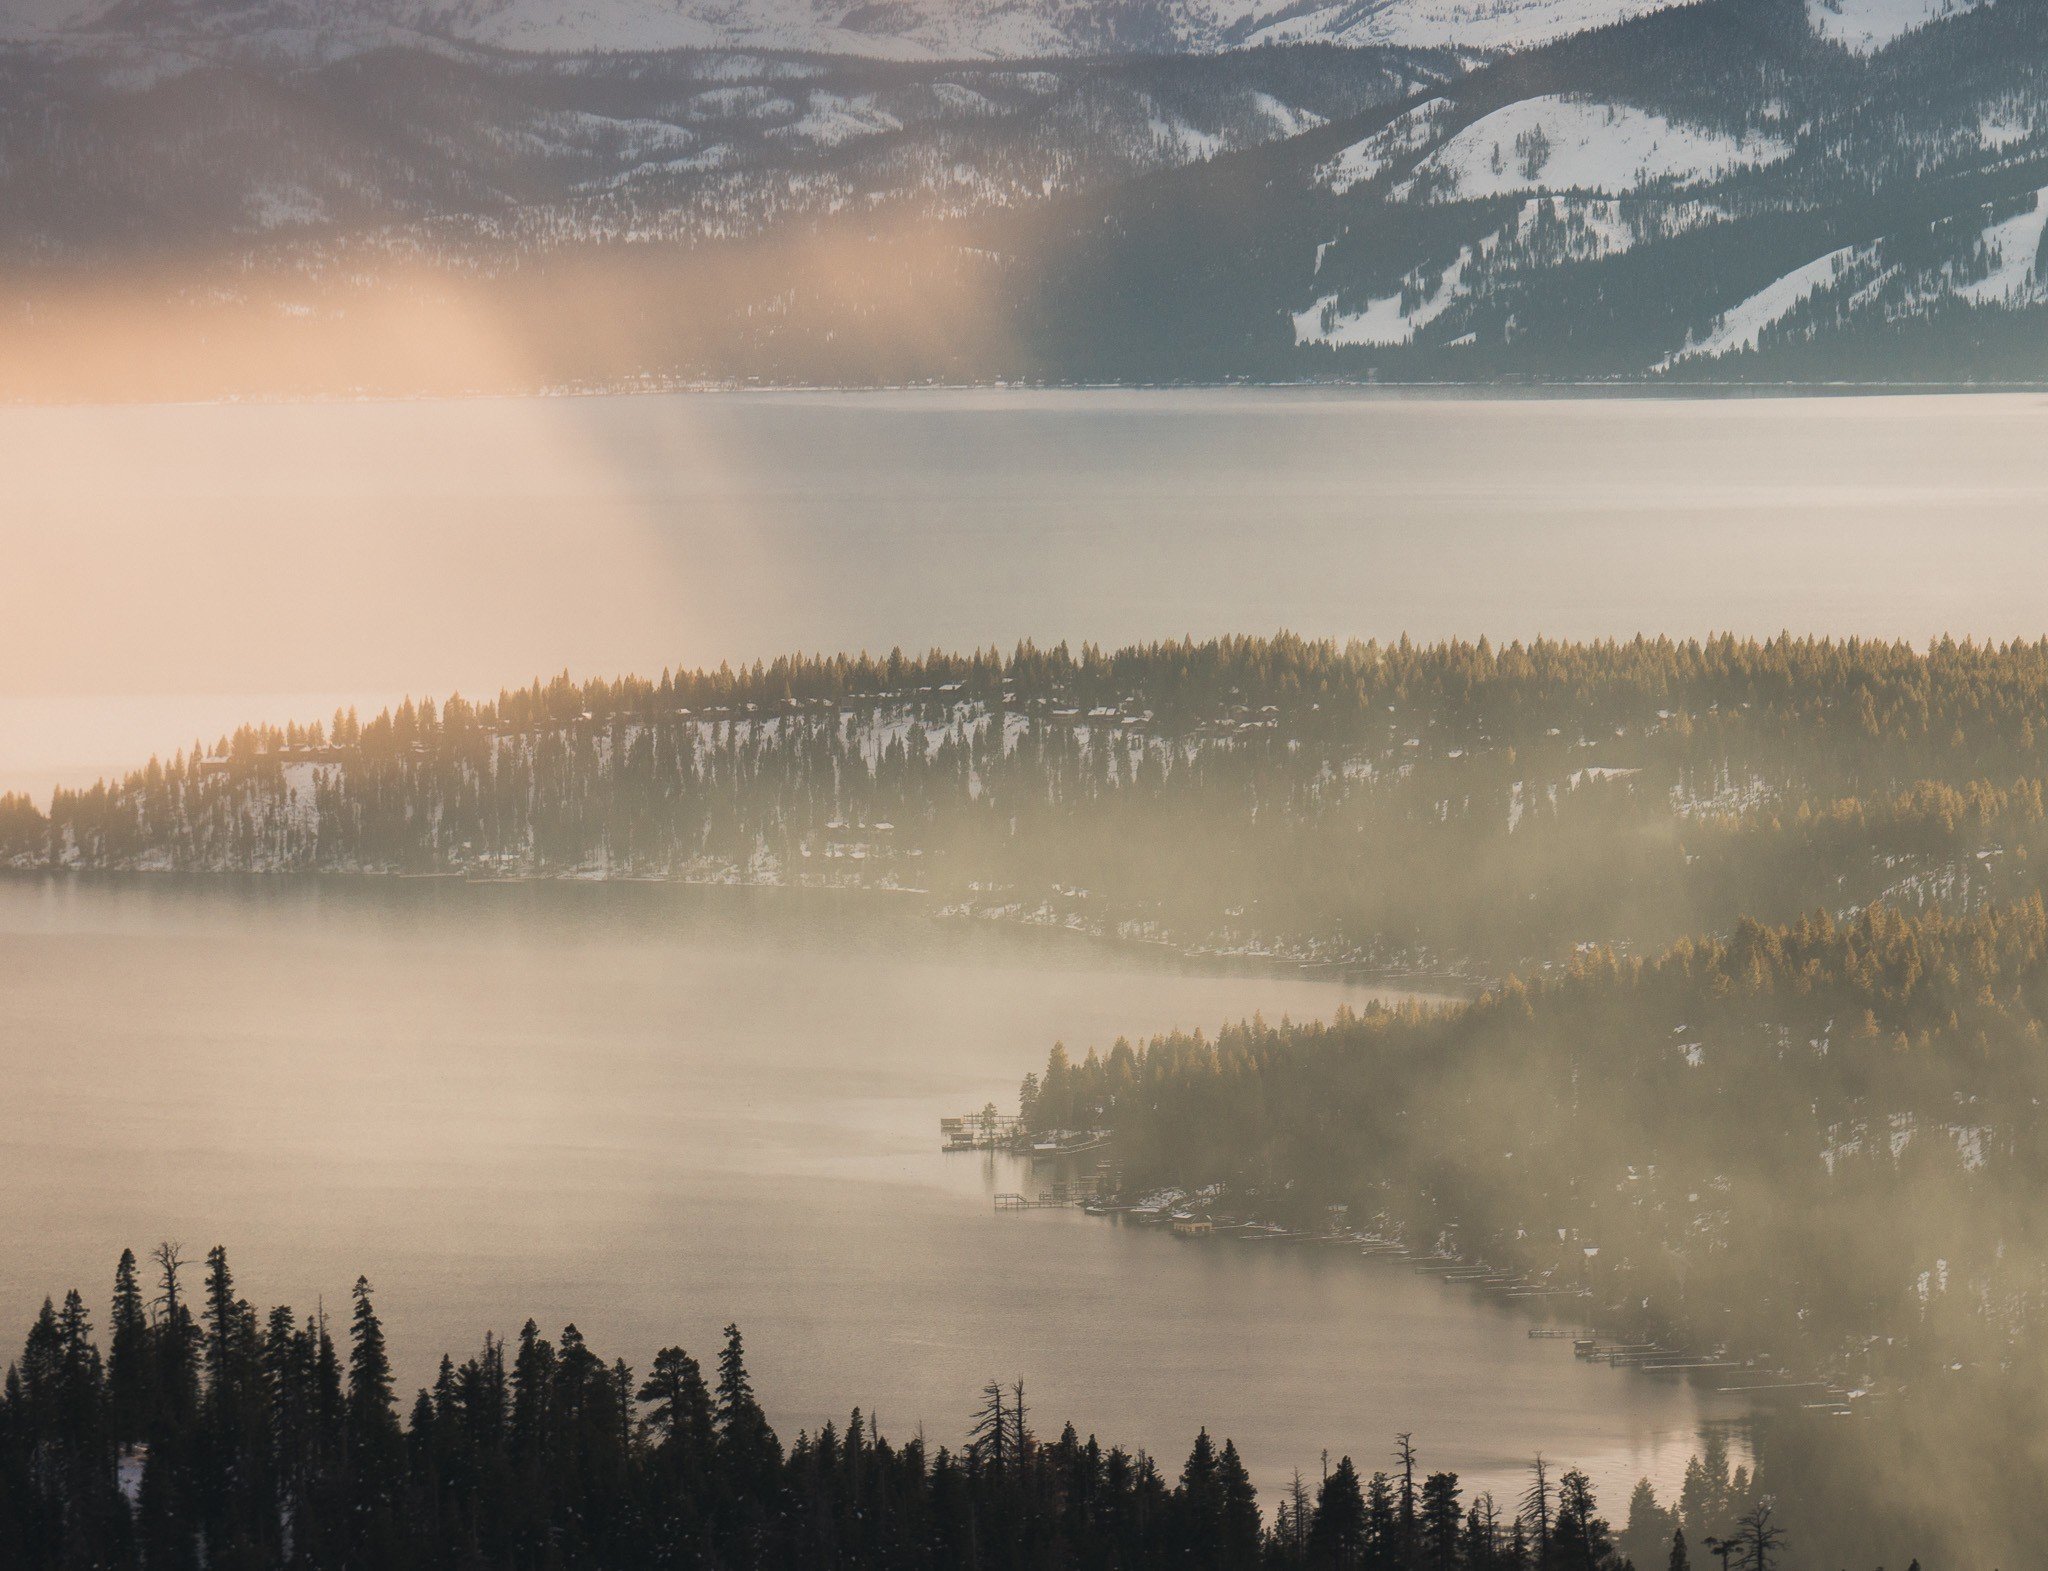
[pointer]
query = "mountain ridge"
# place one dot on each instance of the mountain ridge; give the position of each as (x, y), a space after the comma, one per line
(908, 30)
(1715, 191)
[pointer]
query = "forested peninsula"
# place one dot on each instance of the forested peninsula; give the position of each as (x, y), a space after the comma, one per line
(1810, 1158)
(1458, 805)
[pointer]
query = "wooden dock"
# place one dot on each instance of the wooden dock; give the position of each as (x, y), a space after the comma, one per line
(1068, 1192)
(986, 1130)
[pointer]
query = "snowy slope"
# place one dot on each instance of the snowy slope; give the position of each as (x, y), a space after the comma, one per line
(1466, 24)
(1409, 132)
(2013, 244)
(923, 29)
(1743, 326)
(1865, 26)
(1997, 265)
(1391, 319)
(1565, 144)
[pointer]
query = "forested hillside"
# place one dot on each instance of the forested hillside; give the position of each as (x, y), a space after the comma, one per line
(396, 154)
(1455, 804)
(1818, 1140)
(1814, 1151)
(209, 1434)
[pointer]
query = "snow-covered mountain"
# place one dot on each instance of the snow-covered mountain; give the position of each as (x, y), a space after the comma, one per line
(1779, 189)
(889, 29)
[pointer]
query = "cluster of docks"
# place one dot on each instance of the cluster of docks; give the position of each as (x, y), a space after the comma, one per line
(1175, 1210)
(1488, 1279)
(1065, 1193)
(1749, 1380)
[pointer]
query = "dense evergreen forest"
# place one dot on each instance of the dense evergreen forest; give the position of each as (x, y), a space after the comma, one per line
(209, 1435)
(1455, 802)
(1816, 1146)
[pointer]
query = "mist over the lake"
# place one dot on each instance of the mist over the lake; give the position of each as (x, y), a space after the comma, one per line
(274, 563)
(1023, 785)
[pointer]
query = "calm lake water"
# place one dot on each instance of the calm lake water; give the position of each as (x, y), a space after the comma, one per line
(655, 1110)
(194, 567)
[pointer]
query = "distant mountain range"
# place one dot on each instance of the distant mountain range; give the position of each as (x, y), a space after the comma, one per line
(882, 29)
(1472, 190)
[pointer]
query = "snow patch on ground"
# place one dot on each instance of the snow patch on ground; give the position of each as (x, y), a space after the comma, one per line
(2005, 126)
(1396, 319)
(963, 100)
(722, 103)
(1586, 228)
(1419, 24)
(1865, 26)
(128, 1473)
(1408, 132)
(1287, 120)
(1743, 325)
(1556, 143)
(1970, 1144)
(2017, 245)
(830, 120)
(1182, 142)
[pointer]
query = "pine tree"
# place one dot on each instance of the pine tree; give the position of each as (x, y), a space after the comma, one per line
(372, 1419)
(1382, 1523)
(681, 1414)
(1441, 1521)
(1579, 1537)
(131, 1381)
(1239, 1531)
(1336, 1536)
(220, 1319)
(746, 1443)
(1648, 1529)
(1198, 1504)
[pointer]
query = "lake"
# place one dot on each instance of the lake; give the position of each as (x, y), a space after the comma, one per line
(652, 1110)
(194, 567)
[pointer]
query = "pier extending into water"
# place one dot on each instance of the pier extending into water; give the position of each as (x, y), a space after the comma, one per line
(986, 1130)
(989, 1130)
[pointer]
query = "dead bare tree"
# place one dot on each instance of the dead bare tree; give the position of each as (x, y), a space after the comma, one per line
(170, 1260)
(1758, 1539)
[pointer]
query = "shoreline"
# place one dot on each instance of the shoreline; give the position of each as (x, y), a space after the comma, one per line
(1703, 390)
(1430, 986)
(1592, 1335)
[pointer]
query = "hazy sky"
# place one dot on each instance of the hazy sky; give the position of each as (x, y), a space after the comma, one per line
(182, 567)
